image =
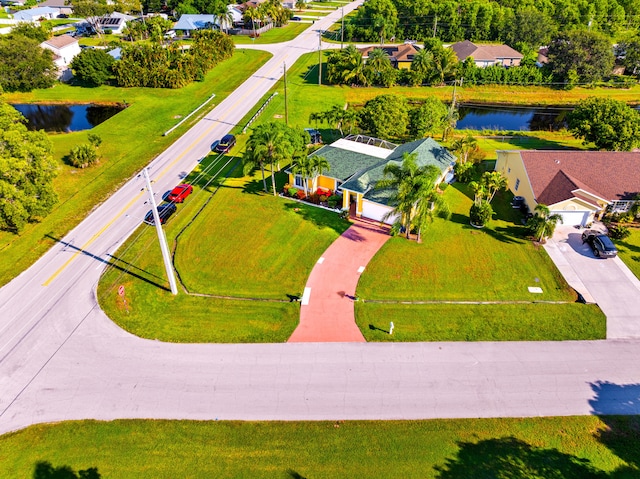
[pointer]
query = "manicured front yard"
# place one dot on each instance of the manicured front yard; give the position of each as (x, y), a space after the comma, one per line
(244, 244)
(586, 447)
(629, 251)
(130, 140)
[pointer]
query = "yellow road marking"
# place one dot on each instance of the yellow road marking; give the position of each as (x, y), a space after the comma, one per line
(137, 197)
(93, 238)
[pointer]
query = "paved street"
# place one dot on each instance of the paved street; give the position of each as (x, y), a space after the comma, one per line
(62, 358)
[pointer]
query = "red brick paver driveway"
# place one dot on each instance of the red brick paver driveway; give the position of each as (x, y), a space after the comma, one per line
(326, 311)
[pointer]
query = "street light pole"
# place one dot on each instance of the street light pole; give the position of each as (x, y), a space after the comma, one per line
(319, 57)
(286, 107)
(161, 237)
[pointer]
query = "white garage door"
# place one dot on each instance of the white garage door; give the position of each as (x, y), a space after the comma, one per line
(573, 218)
(375, 211)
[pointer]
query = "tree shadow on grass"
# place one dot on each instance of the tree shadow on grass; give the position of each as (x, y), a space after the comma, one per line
(512, 458)
(44, 470)
(320, 217)
(618, 406)
(114, 262)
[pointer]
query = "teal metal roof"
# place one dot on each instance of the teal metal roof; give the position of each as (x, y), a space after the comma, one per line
(344, 163)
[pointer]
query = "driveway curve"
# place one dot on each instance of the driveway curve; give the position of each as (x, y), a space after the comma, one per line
(326, 311)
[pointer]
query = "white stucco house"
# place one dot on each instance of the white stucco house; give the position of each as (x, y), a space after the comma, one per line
(64, 48)
(35, 14)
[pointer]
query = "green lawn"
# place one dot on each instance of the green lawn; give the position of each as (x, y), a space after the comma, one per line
(130, 140)
(629, 251)
(587, 447)
(275, 35)
(243, 244)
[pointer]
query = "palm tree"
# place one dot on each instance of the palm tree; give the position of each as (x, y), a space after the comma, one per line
(224, 18)
(543, 224)
(270, 144)
(253, 15)
(250, 161)
(352, 67)
(422, 62)
(494, 181)
(378, 64)
(303, 167)
(319, 165)
(412, 185)
(444, 63)
(316, 117)
(350, 119)
(463, 147)
(300, 4)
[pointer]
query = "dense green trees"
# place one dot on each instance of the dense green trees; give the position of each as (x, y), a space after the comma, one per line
(580, 56)
(27, 170)
(534, 22)
(25, 66)
(610, 124)
(385, 116)
(429, 117)
(93, 66)
(40, 32)
(152, 65)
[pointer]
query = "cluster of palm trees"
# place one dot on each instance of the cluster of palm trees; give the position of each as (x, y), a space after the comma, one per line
(414, 198)
(309, 168)
(340, 117)
(432, 64)
(271, 10)
(271, 144)
(484, 191)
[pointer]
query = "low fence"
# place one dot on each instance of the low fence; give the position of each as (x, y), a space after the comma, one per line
(253, 118)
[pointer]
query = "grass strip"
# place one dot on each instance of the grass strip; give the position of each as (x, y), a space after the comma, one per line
(586, 447)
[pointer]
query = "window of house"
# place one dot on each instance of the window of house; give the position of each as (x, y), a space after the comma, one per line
(298, 181)
(517, 184)
(509, 170)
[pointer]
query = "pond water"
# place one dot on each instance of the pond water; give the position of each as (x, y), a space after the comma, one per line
(491, 117)
(66, 118)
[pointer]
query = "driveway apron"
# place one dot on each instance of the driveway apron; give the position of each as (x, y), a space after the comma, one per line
(327, 311)
(608, 282)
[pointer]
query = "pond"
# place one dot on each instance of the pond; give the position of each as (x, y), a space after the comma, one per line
(493, 117)
(66, 118)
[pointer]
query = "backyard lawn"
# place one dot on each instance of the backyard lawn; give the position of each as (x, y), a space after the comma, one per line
(244, 244)
(587, 447)
(130, 140)
(629, 251)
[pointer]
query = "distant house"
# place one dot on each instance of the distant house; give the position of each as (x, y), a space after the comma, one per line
(357, 163)
(35, 14)
(115, 22)
(401, 56)
(487, 55)
(116, 53)
(188, 23)
(64, 48)
(62, 6)
(577, 185)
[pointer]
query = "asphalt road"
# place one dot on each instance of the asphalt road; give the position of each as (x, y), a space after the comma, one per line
(61, 357)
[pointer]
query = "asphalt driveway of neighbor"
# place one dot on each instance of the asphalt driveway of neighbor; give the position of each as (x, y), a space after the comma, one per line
(607, 282)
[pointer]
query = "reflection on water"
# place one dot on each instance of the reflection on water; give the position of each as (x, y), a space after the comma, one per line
(489, 117)
(66, 118)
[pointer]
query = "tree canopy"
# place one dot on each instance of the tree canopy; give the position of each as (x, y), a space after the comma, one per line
(385, 116)
(27, 170)
(610, 124)
(93, 66)
(25, 66)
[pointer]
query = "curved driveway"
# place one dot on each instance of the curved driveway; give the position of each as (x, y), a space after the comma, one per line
(61, 357)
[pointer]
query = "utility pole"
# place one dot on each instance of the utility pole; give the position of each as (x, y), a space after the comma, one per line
(161, 237)
(342, 31)
(319, 57)
(286, 107)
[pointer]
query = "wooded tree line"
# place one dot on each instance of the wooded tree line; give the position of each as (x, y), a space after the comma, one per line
(152, 65)
(533, 23)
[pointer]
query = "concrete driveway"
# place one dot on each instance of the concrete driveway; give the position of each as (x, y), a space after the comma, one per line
(607, 282)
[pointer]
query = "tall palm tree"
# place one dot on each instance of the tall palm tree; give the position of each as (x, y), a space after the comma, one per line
(319, 165)
(464, 146)
(224, 18)
(445, 62)
(303, 167)
(411, 184)
(543, 224)
(494, 181)
(353, 67)
(422, 62)
(251, 161)
(270, 145)
(378, 64)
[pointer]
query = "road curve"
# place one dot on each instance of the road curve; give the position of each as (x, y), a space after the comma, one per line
(62, 358)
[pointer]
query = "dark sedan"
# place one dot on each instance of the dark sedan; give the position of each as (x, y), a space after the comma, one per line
(600, 243)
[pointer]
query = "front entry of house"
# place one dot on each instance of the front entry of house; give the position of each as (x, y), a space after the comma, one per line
(353, 205)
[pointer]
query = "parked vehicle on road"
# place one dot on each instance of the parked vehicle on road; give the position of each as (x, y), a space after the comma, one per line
(179, 193)
(164, 211)
(226, 143)
(600, 243)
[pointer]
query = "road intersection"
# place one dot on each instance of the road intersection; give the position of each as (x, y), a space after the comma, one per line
(62, 358)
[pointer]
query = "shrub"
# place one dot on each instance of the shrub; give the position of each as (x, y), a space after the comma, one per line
(83, 155)
(322, 198)
(480, 214)
(292, 191)
(334, 200)
(443, 186)
(619, 232)
(300, 194)
(314, 198)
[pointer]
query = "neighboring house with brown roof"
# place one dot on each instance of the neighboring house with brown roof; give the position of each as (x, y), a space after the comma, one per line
(401, 56)
(487, 55)
(578, 185)
(64, 48)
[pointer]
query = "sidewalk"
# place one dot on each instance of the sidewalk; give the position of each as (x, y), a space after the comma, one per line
(327, 310)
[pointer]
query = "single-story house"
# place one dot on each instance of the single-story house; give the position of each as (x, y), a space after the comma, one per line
(401, 56)
(62, 6)
(577, 185)
(116, 53)
(357, 163)
(35, 14)
(487, 55)
(190, 22)
(115, 22)
(64, 48)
